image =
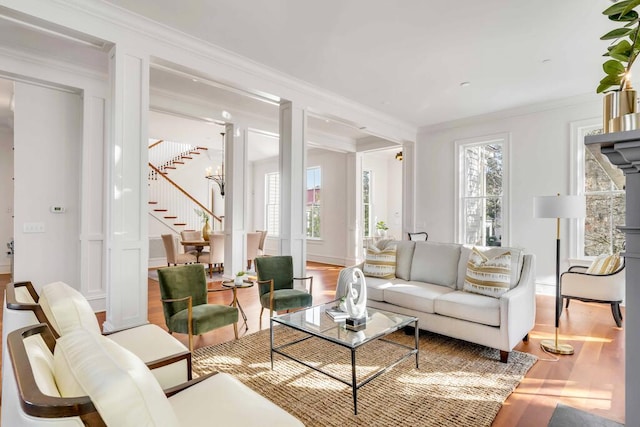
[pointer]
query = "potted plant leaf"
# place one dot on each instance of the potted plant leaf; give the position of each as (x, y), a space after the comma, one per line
(381, 228)
(621, 99)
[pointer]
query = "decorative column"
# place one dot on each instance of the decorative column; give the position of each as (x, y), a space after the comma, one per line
(234, 205)
(293, 163)
(623, 151)
(355, 250)
(126, 193)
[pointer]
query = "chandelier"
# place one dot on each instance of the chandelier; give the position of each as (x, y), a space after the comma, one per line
(218, 177)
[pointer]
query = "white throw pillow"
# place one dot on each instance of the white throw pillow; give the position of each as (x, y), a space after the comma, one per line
(67, 309)
(122, 388)
(488, 276)
(380, 262)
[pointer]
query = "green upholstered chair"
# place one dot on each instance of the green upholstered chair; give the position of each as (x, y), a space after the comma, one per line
(184, 301)
(275, 285)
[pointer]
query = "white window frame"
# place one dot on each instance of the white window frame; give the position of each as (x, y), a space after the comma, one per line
(459, 146)
(579, 130)
(366, 233)
(319, 237)
(267, 193)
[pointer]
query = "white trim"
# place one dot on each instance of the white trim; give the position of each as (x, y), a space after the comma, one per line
(505, 139)
(578, 130)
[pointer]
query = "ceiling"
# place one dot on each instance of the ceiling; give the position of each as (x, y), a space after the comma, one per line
(409, 60)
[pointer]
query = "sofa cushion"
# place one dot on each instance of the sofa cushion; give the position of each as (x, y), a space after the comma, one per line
(380, 262)
(488, 276)
(67, 309)
(417, 296)
(121, 387)
(517, 259)
(404, 256)
(467, 306)
(376, 287)
(41, 361)
(222, 400)
(435, 263)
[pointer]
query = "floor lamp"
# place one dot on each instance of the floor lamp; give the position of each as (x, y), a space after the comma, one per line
(558, 207)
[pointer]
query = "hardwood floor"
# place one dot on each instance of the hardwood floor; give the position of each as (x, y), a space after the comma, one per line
(592, 379)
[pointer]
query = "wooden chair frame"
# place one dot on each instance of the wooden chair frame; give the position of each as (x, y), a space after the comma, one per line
(271, 290)
(189, 300)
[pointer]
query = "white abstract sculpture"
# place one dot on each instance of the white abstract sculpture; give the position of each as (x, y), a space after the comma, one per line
(356, 297)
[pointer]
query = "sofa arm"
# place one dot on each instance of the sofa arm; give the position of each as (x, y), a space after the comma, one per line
(343, 278)
(518, 305)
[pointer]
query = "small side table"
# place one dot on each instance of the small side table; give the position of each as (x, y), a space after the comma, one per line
(245, 284)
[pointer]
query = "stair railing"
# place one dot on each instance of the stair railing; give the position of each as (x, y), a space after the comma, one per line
(176, 200)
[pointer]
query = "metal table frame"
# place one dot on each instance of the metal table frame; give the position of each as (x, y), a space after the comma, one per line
(354, 384)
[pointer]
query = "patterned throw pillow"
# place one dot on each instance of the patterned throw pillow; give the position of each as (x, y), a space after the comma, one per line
(488, 276)
(604, 264)
(380, 262)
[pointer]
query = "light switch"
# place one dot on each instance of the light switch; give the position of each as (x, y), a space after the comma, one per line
(33, 227)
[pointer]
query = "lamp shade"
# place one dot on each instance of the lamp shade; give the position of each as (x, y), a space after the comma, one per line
(559, 207)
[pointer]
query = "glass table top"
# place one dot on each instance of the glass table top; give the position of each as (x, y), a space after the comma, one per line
(315, 321)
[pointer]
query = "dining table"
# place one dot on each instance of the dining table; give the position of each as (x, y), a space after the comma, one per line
(199, 245)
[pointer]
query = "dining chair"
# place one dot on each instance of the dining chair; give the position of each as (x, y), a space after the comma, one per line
(263, 238)
(190, 235)
(185, 303)
(276, 285)
(171, 251)
(420, 236)
(253, 245)
(216, 252)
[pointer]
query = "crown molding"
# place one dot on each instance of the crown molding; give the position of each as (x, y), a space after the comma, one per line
(154, 32)
(35, 58)
(513, 112)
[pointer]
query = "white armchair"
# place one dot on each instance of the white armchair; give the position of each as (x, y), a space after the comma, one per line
(577, 284)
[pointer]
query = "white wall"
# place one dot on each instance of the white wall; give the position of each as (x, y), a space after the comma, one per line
(6, 200)
(332, 247)
(540, 165)
(386, 188)
(48, 125)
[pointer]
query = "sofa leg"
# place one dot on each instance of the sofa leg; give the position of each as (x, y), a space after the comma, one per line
(409, 330)
(617, 314)
(526, 338)
(504, 356)
(568, 301)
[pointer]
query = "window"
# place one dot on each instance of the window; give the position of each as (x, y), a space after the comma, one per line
(272, 199)
(366, 203)
(603, 187)
(481, 175)
(314, 186)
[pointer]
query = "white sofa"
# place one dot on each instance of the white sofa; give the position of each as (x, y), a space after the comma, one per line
(429, 285)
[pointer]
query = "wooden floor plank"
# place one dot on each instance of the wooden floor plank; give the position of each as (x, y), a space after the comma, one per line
(592, 379)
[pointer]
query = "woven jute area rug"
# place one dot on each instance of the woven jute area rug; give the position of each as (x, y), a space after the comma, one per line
(457, 383)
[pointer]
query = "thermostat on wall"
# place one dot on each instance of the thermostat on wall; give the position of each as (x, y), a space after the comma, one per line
(58, 209)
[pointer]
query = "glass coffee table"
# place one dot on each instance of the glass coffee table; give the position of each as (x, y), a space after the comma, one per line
(314, 322)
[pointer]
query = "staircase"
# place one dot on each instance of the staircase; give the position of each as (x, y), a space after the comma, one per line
(168, 202)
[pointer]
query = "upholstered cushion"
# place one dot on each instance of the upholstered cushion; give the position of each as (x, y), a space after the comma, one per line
(284, 299)
(380, 262)
(435, 263)
(417, 296)
(468, 306)
(604, 264)
(123, 390)
(517, 260)
(67, 309)
(376, 287)
(41, 361)
(488, 276)
(404, 256)
(222, 400)
(205, 318)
